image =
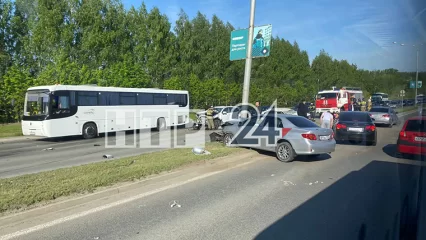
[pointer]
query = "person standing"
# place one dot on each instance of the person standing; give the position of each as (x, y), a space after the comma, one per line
(369, 104)
(303, 109)
(351, 106)
(209, 115)
(327, 120)
(259, 109)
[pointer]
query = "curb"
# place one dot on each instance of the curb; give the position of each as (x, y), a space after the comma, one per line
(171, 177)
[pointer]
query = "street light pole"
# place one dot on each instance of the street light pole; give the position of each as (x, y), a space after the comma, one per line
(417, 69)
(417, 76)
(247, 71)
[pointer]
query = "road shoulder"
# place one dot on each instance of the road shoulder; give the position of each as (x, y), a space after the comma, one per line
(74, 207)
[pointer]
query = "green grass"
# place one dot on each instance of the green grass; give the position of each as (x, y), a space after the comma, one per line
(10, 130)
(406, 109)
(25, 191)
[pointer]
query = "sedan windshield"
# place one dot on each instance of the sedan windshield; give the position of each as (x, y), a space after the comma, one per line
(37, 103)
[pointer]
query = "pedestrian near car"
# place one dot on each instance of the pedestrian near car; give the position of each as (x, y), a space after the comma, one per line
(209, 115)
(327, 120)
(303, 109)
(259, 109)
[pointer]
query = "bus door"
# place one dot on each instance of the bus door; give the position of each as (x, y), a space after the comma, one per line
(63, 108)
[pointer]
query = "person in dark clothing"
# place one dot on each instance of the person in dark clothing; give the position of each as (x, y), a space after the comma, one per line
(303, 109)
(259, 109)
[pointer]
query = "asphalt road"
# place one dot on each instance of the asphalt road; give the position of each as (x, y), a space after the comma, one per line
(20, 157)
(356, 193)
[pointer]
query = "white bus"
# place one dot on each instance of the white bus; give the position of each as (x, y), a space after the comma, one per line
(378, 97)
(68, 110)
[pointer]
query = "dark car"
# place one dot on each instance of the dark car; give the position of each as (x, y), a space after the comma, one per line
(356, 127)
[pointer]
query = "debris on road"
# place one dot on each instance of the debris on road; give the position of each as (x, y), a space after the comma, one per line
(288, 183)
(107, 156)
(200, 151)
(175, 204)
(47, 149)
(272, 175)
(97, 145)
(316, 182)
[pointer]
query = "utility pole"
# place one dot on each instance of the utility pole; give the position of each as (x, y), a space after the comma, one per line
(247, 71)
(417, 77)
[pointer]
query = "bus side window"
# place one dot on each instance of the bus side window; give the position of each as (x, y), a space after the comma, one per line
(72, 99)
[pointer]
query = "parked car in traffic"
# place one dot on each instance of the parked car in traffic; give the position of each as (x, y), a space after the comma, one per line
(223, 114)
(296, 136)
(412, 137)
(384, 115)
(356, 127)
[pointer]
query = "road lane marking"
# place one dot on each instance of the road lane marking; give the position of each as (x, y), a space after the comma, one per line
(114, 204)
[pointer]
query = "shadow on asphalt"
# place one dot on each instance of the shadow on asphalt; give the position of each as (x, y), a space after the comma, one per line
(301, 158)
(377, 202)
(391, 151)
(363, 143)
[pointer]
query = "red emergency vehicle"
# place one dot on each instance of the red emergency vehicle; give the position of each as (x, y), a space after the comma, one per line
(336, 100)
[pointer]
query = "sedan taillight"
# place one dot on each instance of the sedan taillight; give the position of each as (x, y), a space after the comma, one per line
(370, 128)
(309, 136)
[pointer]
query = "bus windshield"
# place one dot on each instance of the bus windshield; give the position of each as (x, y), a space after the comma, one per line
(326, 95)
(36, 103)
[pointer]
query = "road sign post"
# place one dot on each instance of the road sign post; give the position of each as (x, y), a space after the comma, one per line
(402, 94)
(247, 70)
(248, 44)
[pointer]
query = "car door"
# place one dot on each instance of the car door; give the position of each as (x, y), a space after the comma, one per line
(226, 114)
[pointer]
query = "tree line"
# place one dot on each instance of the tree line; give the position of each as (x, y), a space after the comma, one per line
(100, 42)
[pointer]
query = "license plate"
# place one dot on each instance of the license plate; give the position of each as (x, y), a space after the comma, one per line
(420, 139)
(356, 129)
(324, 138)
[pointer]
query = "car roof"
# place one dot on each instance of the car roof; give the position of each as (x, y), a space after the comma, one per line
(353, 112)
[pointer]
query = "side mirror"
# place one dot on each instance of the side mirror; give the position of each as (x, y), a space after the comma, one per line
(373, 119)
(224, 113)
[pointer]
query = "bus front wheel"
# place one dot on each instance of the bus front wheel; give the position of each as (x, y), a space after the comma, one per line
(90, 130)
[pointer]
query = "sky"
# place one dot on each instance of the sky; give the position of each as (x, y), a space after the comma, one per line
(368, 33)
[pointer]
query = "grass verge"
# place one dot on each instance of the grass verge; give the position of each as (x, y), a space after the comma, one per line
(21, 192)
(10, 130)
(406, 109)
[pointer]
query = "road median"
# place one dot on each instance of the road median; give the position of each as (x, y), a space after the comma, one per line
(33, 190)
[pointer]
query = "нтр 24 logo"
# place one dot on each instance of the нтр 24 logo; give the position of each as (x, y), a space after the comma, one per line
(257, 130)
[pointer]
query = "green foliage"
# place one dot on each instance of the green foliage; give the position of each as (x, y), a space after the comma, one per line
(100, 42)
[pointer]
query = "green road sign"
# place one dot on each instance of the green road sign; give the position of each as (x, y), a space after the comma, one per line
(239, 39)
(261, 42)
(413, 84)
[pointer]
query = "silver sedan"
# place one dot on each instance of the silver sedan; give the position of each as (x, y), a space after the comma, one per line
(286, 135)
(384, 115)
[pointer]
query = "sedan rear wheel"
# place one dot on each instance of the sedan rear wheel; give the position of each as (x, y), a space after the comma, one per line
(285, 152)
